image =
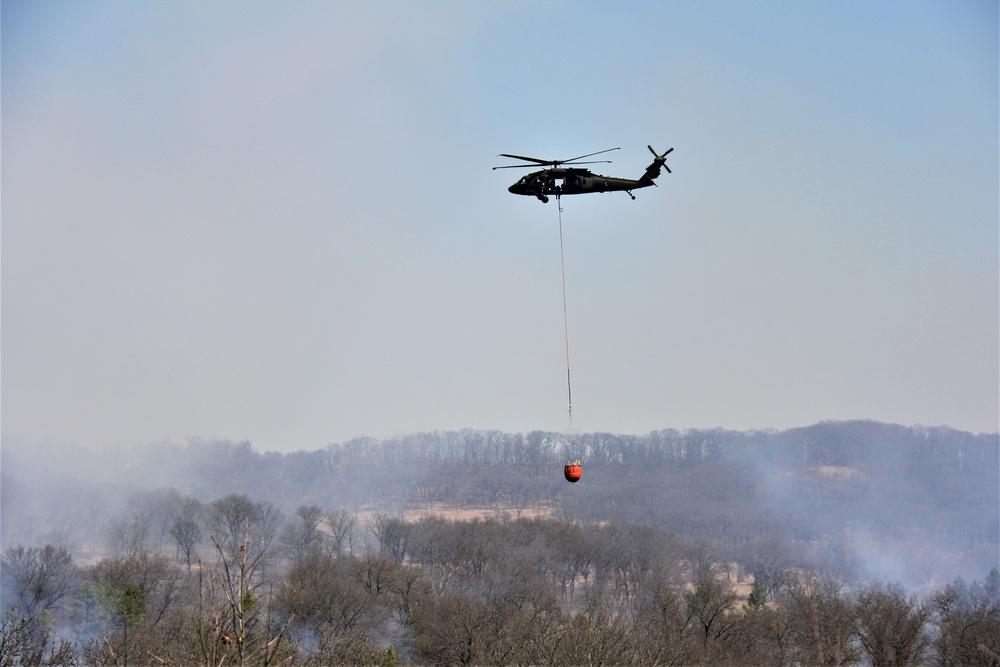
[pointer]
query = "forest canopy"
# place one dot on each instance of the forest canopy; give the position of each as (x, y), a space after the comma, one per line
(694, 547)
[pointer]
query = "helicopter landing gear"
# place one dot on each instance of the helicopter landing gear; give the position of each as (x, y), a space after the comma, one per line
(544, 199)
(629, 193)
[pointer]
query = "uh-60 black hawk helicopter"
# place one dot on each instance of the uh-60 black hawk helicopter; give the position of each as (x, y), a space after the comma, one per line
(563, 177)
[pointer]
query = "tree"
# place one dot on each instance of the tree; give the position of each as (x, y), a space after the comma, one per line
(968, 620)
(758, 597)
(37, 579)
(822, 624)
(393, 536)
(155, 510)
(767, 565)
(27, 640)
(304, 539)
(891, 625)
(185, 528)
(238, 567)
(241, 532)
(602, 634)
(709, 605)
(132, 610)
(153, 575)
(329, 602)
(663, 634)
(772, 626)
(448, 629)
(341, 524)
(108, 610)
(709, 608)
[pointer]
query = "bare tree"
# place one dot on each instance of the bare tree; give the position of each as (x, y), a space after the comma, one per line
(602, 634)
(822, 624)
(186, 528)
(767, 564)
(304, 539)
(709, 605)
(448, 630)
(891, 625)
(393, 536)
(246, 612)
(156, 510)
(341, 524)
(326, 601)
(26, 640)
(242, 531)
(127, 537)
(968, 620)
(37, 579)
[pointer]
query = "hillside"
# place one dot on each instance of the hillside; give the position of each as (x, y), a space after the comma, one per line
(694, 548)
(912, 504)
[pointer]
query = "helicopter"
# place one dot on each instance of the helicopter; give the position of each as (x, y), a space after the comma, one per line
(559, 180)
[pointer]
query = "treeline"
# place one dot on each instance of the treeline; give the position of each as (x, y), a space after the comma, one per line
(694, 547)
(832, 491)
(241, 584)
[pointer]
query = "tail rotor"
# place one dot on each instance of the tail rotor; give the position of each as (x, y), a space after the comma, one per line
(661, 160)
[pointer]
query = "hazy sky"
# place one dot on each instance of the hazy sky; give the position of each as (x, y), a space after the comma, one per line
(278, 221)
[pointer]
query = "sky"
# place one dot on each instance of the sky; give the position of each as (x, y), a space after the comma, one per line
(278, 222)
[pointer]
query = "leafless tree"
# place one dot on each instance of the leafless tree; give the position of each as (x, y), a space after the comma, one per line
(710, 604)
(341, 524)
(823, 624)
(393, 536)
(186, 528)
(302, 539)
(241, 532)
(767, 563)
(37, 579)
(26, 640)
(601, 634)
(127, 537)
(891, 625)
(968, 621)
(252, 632)
(327, 602)
(448, 629)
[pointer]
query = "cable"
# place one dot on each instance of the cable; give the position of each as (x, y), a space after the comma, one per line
(562, 260)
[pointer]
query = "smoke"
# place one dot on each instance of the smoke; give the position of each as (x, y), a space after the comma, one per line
(860, 500)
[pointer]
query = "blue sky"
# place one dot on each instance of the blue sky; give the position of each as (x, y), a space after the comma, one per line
(278, 222)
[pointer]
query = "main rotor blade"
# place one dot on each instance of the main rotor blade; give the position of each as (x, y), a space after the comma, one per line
(553, 165)
(558, 162)
(580, 157)
(529, 159)
(520, 166)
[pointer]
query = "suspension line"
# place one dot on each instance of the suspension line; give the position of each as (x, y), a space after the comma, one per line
(562, 261)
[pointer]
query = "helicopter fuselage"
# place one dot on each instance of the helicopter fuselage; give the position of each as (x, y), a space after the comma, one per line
(569, 181)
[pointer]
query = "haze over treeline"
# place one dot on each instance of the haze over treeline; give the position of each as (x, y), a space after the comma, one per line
(840, 543)
(911, 504)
